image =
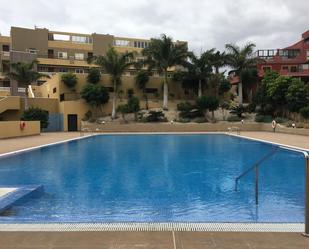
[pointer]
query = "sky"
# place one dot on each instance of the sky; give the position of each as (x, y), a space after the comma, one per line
(204, 24)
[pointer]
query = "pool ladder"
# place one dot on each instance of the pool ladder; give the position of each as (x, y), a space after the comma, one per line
(255, 167)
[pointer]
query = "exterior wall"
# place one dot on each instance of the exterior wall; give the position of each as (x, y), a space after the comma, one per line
(10, 129)
(23, 39)
(101, 43)
(167, 127)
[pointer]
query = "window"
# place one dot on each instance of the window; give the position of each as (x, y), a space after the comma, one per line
(294, 69)
(90, 54)
(307, 54)
(266, 68)
(32, 50)
(42, 69)
(81, 39)
(58, 37)
(151, 90)
(305, 66)
(50, 53)
(61, 97)
(54, 90)
(62, 55)
(285, 68)
(79, 70)
(79, 56)
(121, 43)
(6, 48)
(63, 70)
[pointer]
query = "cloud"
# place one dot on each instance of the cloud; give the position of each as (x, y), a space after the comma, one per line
(204, 24)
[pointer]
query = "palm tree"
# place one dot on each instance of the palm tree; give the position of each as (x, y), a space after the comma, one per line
(200, 68)
(141, 80)
(25, 74)
(114, 64)
(218, 60)
(162, 53)
(241, 59)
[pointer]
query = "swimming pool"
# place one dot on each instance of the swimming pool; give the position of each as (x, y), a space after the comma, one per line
(156, 178)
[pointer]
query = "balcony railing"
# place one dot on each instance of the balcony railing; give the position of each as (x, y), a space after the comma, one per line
(5, 89)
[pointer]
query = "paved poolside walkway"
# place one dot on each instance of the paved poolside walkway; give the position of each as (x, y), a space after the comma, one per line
(149, 240)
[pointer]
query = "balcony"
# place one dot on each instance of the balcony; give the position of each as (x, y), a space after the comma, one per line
(5, 55)
(280, 55)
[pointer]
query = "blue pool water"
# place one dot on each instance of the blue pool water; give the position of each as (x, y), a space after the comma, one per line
(156, 178)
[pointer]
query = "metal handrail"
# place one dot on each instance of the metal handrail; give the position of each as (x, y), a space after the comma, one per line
(256, 168)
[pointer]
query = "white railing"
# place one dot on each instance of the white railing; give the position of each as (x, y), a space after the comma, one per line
(21, 89)
(6, 53)
(5, 89)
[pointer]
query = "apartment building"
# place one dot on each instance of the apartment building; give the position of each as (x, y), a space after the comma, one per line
(59, 52)
(290, 61)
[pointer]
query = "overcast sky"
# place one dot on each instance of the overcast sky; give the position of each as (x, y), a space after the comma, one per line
(204, 24)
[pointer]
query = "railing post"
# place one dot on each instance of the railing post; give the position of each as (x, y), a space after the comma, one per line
(306, 233)
(256, 185)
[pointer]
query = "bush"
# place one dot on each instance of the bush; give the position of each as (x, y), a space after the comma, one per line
(200, 120)
(250, 108)
(238, 110)
(155, 116)
(95, 95)
(187, 110)
(130, 93)
(183, 120)
(94, 75)
(133, 104)
(233, 119)
(36, 114)
(69, 79)
(263, 118)
(281, 120)
(304, 112)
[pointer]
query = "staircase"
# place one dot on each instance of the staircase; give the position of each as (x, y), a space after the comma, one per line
(9, 103)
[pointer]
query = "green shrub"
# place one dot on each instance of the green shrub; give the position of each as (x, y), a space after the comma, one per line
(233, 119)
(200, 120)
(69, 79)
(263, 118)
(36, 114)
(94, 75)
(250, 108)
(187, 110)
(155, 116)
(238, 110)
(281, 120)
(95, 95)
(183, 120)
(304, 112)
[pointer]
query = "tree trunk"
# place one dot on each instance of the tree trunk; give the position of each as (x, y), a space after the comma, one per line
(146, 101)
(240, 96)
(114, 101)
(165, 92)
(199, 88)
(213, 116)
(26, 98)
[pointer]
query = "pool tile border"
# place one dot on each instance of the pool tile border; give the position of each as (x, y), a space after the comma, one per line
(155, 227)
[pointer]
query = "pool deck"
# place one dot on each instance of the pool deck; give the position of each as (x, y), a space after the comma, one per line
(149, 240)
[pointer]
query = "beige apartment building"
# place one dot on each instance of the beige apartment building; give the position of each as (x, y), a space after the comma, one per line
(61, 52)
